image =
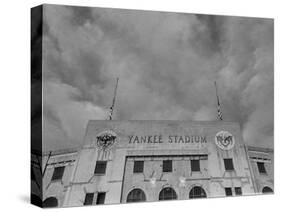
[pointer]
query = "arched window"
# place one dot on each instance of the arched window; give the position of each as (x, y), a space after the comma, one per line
(50, 202)
(267, 190)
(197, 192)
(167, 194)
(136, 195)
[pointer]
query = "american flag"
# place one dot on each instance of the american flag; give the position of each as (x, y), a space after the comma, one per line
(110, 113)
(113, 102)
(219, 106)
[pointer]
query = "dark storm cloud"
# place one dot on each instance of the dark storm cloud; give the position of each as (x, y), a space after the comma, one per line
(167, 64)
(81, 15)
(210, 34)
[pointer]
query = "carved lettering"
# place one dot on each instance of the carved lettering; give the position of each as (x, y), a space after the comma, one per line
(159, 139)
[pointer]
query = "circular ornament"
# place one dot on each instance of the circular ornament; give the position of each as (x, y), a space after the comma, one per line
(224, 140)
(106, 139)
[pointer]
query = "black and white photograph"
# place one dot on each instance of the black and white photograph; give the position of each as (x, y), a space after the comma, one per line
(146, 106)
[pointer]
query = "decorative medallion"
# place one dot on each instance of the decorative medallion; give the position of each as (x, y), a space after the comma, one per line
(106, 139)
(225, 140)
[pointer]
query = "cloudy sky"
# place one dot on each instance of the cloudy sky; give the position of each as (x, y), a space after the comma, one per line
(167, 64)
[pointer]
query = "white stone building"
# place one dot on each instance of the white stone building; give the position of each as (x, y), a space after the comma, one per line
(134, 161)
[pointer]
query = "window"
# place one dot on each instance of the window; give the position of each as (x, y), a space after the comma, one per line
(228, 191)
(195, 165)
(58, 173)
(100, 167)
(261, 167)
(136, 195)
(197, 192)
(228, 164)
(89, 199)
(167, 166)
(167, 194)
(267, 190)
(100, 198)
(138, 166)
(50, 202)
(238, 191)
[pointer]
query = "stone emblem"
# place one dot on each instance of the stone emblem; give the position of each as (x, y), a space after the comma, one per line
(106, 139)
(225, 140)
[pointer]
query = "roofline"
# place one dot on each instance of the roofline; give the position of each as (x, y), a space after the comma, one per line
(259, 149)
(55, 152)
(214, 122)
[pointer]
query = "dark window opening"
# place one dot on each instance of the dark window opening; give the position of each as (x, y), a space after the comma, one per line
(261, 168)
(58, 173)
(228, 164)
(100, 198)
(167, 194)
(228, 191)
(195, 165)
(136, 195)
(138, 166)
(167, 166)
(238, 191)
(267, 190)
(197, 192)
(100, 167)
(50, 202)
(89, 199)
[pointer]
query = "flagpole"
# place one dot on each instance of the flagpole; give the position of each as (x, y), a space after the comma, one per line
(113, 101)
(218, 102)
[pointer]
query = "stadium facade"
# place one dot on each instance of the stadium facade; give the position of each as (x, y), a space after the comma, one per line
(137, 161)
